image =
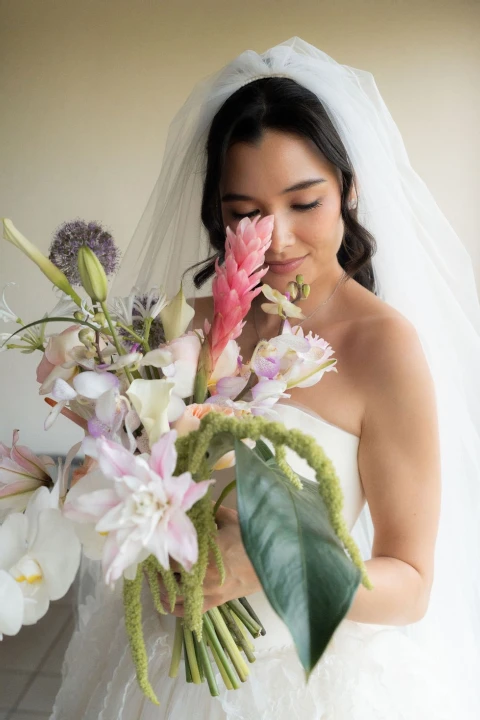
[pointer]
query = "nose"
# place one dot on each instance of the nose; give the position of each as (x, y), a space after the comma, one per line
(282, 236)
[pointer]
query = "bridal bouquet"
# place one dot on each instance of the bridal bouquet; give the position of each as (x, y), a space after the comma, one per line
(163, 409)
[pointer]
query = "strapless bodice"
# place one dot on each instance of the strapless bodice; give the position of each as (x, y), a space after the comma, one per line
(340, 446)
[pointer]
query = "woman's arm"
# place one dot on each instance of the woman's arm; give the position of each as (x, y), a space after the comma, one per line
(399, 464)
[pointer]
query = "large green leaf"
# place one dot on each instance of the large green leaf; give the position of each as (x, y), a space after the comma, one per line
(305, 573)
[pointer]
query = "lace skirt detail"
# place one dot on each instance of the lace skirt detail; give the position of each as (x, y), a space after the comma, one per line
(368, 672)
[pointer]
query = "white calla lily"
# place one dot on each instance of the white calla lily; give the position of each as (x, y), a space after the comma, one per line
(156, 405)
(176, 316)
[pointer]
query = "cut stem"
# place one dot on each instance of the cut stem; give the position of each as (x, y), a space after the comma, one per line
(188, 674)
(220, 627)
(253, 627)
(177, 649)
(207, 667)
(192, 658)
(237, 635)
(251, 612)
(219, 653)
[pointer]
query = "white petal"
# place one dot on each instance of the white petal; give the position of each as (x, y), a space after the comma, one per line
(158, 358)
(57, 550)
(13, 540)
(11, 605)
(92, 541)
(36, 602)
(53, 414)
(62, 390)
(151, 399)
(93, 384)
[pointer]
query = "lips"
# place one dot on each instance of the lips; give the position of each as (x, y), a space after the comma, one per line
(285, 267)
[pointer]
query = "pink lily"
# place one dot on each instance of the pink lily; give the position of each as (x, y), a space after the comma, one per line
(21, 473)
(140, 505)
(234, 285)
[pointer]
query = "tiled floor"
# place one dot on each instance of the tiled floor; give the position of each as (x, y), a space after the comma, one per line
(31, 663)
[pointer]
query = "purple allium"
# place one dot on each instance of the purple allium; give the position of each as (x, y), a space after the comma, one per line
(69, 238)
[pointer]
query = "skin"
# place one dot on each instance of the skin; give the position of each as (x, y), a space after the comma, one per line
(383, 392)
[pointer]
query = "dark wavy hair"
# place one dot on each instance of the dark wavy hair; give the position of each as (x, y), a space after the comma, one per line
(281, 104)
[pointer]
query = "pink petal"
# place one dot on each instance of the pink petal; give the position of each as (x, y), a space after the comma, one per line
(24, 457)
(44, 368)
(164, 455)
(114, 460)
(231, 386)
(196, 491)
(91, 506)
(182, 540)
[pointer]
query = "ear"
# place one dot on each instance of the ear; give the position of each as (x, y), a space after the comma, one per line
(353, 195)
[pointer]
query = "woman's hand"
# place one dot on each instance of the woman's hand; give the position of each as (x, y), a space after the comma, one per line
(240, 579)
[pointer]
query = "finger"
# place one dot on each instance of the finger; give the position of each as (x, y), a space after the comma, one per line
(225, 515)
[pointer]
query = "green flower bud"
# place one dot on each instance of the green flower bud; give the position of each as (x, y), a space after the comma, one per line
(292, 289)
(94, 279)
(100, 318)
(78, 315)
(299, 279)
(305, 290)
(86, 336)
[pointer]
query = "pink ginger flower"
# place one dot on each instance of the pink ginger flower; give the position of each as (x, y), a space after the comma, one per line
(234, 285)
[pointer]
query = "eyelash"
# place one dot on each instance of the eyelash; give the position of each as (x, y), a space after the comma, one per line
(300, 208)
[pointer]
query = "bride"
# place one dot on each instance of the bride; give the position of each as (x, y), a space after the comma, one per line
(293, 134)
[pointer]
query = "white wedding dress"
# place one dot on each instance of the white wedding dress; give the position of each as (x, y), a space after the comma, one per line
(368, 672)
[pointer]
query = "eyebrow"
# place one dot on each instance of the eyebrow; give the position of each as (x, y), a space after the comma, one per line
(303, 185)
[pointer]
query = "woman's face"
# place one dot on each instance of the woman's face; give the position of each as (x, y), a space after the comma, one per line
(308, 227)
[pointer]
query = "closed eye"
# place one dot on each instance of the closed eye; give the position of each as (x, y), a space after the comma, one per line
(300, 208)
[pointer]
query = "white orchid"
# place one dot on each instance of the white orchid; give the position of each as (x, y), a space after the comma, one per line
(89, 385)
(41, 552)
(280, 304)
(11, 605)
(263, 396)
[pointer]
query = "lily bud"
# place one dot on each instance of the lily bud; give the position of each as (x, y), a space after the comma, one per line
(93, 276)
(299, 280)
(305, 290)
(292, 289)
(51, 271)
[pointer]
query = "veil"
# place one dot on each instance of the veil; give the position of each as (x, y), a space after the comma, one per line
(421, 268)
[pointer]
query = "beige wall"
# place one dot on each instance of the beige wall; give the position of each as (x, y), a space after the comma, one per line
(88, 89)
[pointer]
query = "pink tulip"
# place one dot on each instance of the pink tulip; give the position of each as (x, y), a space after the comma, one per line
(234, 285)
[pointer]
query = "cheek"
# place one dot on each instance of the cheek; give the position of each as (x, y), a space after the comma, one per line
(321, 227)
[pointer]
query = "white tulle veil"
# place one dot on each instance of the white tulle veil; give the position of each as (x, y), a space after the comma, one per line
(421, 268)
